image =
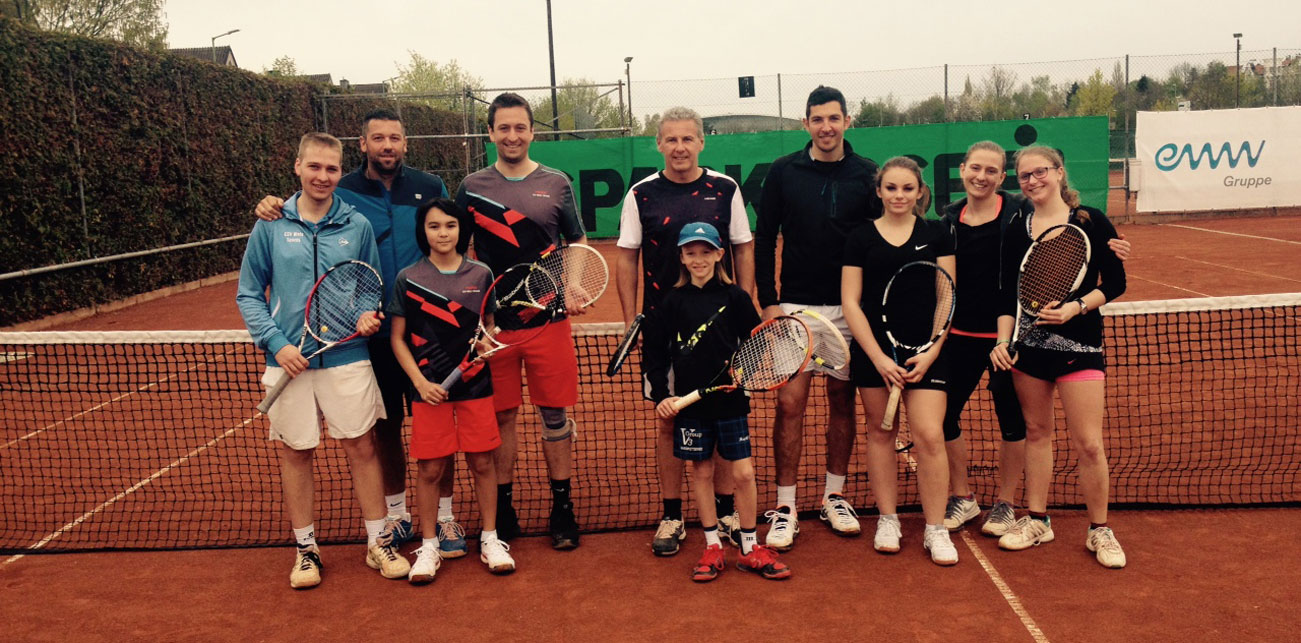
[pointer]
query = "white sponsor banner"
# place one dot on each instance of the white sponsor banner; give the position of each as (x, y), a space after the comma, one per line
(1227, 159)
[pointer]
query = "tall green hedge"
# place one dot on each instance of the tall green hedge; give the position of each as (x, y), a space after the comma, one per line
(167, 150)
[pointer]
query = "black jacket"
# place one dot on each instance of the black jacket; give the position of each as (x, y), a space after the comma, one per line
(668, 326)
(814, 206)
(978, 303)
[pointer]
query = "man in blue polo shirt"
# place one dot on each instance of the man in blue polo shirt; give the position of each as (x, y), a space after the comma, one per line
(387, 192)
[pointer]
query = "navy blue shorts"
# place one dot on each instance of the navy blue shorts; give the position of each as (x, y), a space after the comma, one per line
(695, 439)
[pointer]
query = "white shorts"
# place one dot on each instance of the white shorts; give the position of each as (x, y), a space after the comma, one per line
(346, 396)
(835, 315)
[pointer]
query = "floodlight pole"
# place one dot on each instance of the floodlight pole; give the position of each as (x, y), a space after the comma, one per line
(551, 48)
(212, 44)
(1237, 90)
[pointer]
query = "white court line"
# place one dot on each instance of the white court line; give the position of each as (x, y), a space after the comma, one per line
(146, 387)
(1250, 272)
(128, 491)
(1006, 591)
(1232, 234)
(1162, 283)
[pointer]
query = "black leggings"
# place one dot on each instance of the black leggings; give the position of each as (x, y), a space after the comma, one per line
(968, 359)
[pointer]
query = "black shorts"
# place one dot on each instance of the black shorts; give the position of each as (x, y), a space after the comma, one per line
(863, 374)
(1050, 365)
(393, 382)
(695, 439)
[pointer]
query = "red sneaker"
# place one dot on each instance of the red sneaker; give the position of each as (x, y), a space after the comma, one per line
(710, 564)
(763, 561)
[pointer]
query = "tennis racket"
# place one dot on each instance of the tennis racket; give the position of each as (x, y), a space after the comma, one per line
(1051, 270)
(625, 346)
(517, 308)
(776, 351)
(581, 272)
(348, 290)
(830, 350)
(915, 311)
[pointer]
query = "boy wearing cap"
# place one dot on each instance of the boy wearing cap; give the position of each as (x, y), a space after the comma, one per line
(694, 331)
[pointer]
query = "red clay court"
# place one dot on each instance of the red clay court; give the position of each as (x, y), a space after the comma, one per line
(1221, 429)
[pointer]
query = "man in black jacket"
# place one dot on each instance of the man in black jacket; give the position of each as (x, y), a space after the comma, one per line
(814, 199)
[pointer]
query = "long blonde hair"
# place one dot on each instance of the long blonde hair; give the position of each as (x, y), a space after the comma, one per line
(1069, 195)
(684, 275)
(905, 163)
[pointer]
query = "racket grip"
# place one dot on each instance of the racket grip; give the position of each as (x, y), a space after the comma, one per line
(274, 393)
(452, 378)
(891, 408)
(686, 400)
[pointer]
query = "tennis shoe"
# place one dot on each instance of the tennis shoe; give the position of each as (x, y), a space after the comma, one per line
(763, 561)
(426, 566)
(729, 528)
(1102, 541)
(668, 537)
(959, 512)
(397, 530)
(888, 533)
(387, 560)
(507, 523)
(785, 525)
(1026, 533)
(563, 527)
(451, 538)
(938, 543)
(496, 555)
(307, 568)
(840, 516)
(999, 520)
(709, 566)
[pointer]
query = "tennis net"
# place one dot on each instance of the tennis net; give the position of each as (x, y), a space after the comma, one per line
(149, 440)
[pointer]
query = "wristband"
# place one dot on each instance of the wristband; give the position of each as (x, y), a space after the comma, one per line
(1003, 341)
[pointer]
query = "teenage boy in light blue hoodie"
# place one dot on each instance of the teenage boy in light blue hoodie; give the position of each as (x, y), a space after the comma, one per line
(282, 262)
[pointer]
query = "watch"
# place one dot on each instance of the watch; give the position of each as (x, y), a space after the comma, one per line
(1084, 308)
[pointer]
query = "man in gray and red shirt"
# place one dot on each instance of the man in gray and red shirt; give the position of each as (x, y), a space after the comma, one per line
(521, 208)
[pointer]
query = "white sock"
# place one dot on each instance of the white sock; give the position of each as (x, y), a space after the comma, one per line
(711, 537)
(786, 497)
(305, 537)
(429, 544)
(748, 540)
(890, 517)
(835, 484)
(936, 528)
(445, 508)
(488, 536)
(397, 503)
(373, 528)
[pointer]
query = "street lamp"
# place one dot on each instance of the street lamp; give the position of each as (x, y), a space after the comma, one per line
(627, 72)
(1237, 90)
(212, 45)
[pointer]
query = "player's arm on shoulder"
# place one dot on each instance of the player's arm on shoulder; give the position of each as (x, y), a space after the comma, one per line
(269, 208)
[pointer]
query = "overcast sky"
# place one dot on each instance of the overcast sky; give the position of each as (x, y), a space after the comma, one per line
(505, 41)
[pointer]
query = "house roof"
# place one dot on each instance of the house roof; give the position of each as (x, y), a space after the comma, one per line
(222, 55)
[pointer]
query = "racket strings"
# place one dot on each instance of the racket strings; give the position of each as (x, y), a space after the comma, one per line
(829, 345)
(581, 272)
(1051, 270)
(341, 298)
(773, 355)
(918, 304)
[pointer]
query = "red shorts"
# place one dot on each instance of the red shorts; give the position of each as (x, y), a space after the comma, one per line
(551, 364)
(438, 431)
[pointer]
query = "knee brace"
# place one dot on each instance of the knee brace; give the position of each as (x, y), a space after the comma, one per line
(556, 426)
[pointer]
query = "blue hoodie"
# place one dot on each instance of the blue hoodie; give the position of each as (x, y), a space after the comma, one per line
(289, 255)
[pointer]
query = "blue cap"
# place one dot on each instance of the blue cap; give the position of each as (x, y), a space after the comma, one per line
(699, 232)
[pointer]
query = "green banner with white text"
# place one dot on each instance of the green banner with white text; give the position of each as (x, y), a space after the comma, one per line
(603, 169)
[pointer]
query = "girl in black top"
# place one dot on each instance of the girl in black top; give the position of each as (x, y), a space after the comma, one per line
(1062, 350)
(705, 297)
(872, 255)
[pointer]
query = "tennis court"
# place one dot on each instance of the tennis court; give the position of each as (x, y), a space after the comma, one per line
(148, 441)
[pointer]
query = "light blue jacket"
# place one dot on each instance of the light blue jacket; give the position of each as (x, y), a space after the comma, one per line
(289, 255)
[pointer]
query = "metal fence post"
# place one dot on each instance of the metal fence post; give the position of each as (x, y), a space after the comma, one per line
(780, 112)
(947, 116)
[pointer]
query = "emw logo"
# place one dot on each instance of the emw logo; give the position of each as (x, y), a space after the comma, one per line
(1170, 155)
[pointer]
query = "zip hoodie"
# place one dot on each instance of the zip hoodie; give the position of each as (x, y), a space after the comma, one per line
(289, 255)
(979, 264)
(815, 206)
